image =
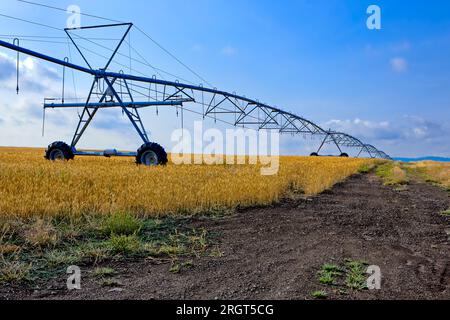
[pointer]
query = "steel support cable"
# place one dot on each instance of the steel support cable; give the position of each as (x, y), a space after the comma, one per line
(29, 2)
(73, 71)
(212, 118)
(129, 52)
(145, 63)
(17, 41)
(31, 22)
(148, 96)
(149, 90)
(356, 142)
(52, 37)
(203, 105)
(113, 62)
(142, 94)
(185, 109)
(44, 25)
(347, 136)
(137, 28)
(173, 56)
(118, 53)
(64, 10)
(158, 70)
(32, 40)
(111, 20)
(248, 115)
(245, 99)
(64, 80)
(104, 47)
(219, 120)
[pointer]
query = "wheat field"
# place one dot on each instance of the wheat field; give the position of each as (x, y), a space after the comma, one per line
(435, 171)
(31, 186)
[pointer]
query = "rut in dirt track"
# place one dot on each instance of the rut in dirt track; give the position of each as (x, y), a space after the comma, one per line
(275, 252)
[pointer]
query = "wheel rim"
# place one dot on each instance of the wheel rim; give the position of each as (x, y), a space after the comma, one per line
(149, 158)
(57, 155)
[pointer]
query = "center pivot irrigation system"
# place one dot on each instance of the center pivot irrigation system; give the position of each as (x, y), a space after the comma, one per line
(119, 90)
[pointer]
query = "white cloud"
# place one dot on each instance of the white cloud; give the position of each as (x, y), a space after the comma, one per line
(409, 127)
(364, 129)
(33, 76)
(28, 63)
(21, 115)
(21, 120)
(229, 51)
(408, 136)
(399, 65)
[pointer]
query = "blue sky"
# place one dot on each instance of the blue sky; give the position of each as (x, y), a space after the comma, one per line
(389, 87)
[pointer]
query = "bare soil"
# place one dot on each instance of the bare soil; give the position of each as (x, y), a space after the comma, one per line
(276, 252)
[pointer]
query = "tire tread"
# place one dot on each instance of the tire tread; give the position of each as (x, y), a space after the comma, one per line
(64, 147)
(158, 149)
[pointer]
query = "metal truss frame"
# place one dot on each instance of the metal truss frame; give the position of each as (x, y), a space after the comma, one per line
(235, 109)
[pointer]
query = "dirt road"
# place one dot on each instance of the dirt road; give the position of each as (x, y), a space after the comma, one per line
(276, 252)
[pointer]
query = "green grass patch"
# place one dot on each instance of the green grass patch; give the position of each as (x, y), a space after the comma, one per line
(351, 275)
(41, 233)
(432, 173)
(384, 170)
(177, 267)
(13, 271)
(366, 168)
(94, 252)
(122, 244)
(58, 258)
(36, 249)
(319, 295)
(122, 223)
(446, 213)
(392, 174)
(216, 252)
(110, 282)
(356, 275)
(171, 249)
(104, 272)
(328, 274)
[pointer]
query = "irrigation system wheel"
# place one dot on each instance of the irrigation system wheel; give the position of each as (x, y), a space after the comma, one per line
(344, 155)
(59, 151)
(151, 154)
(314, 154)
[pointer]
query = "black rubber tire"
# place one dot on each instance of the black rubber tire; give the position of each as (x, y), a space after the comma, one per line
(157, 149)
(314, 154)
(61, 146)
(344, 155)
